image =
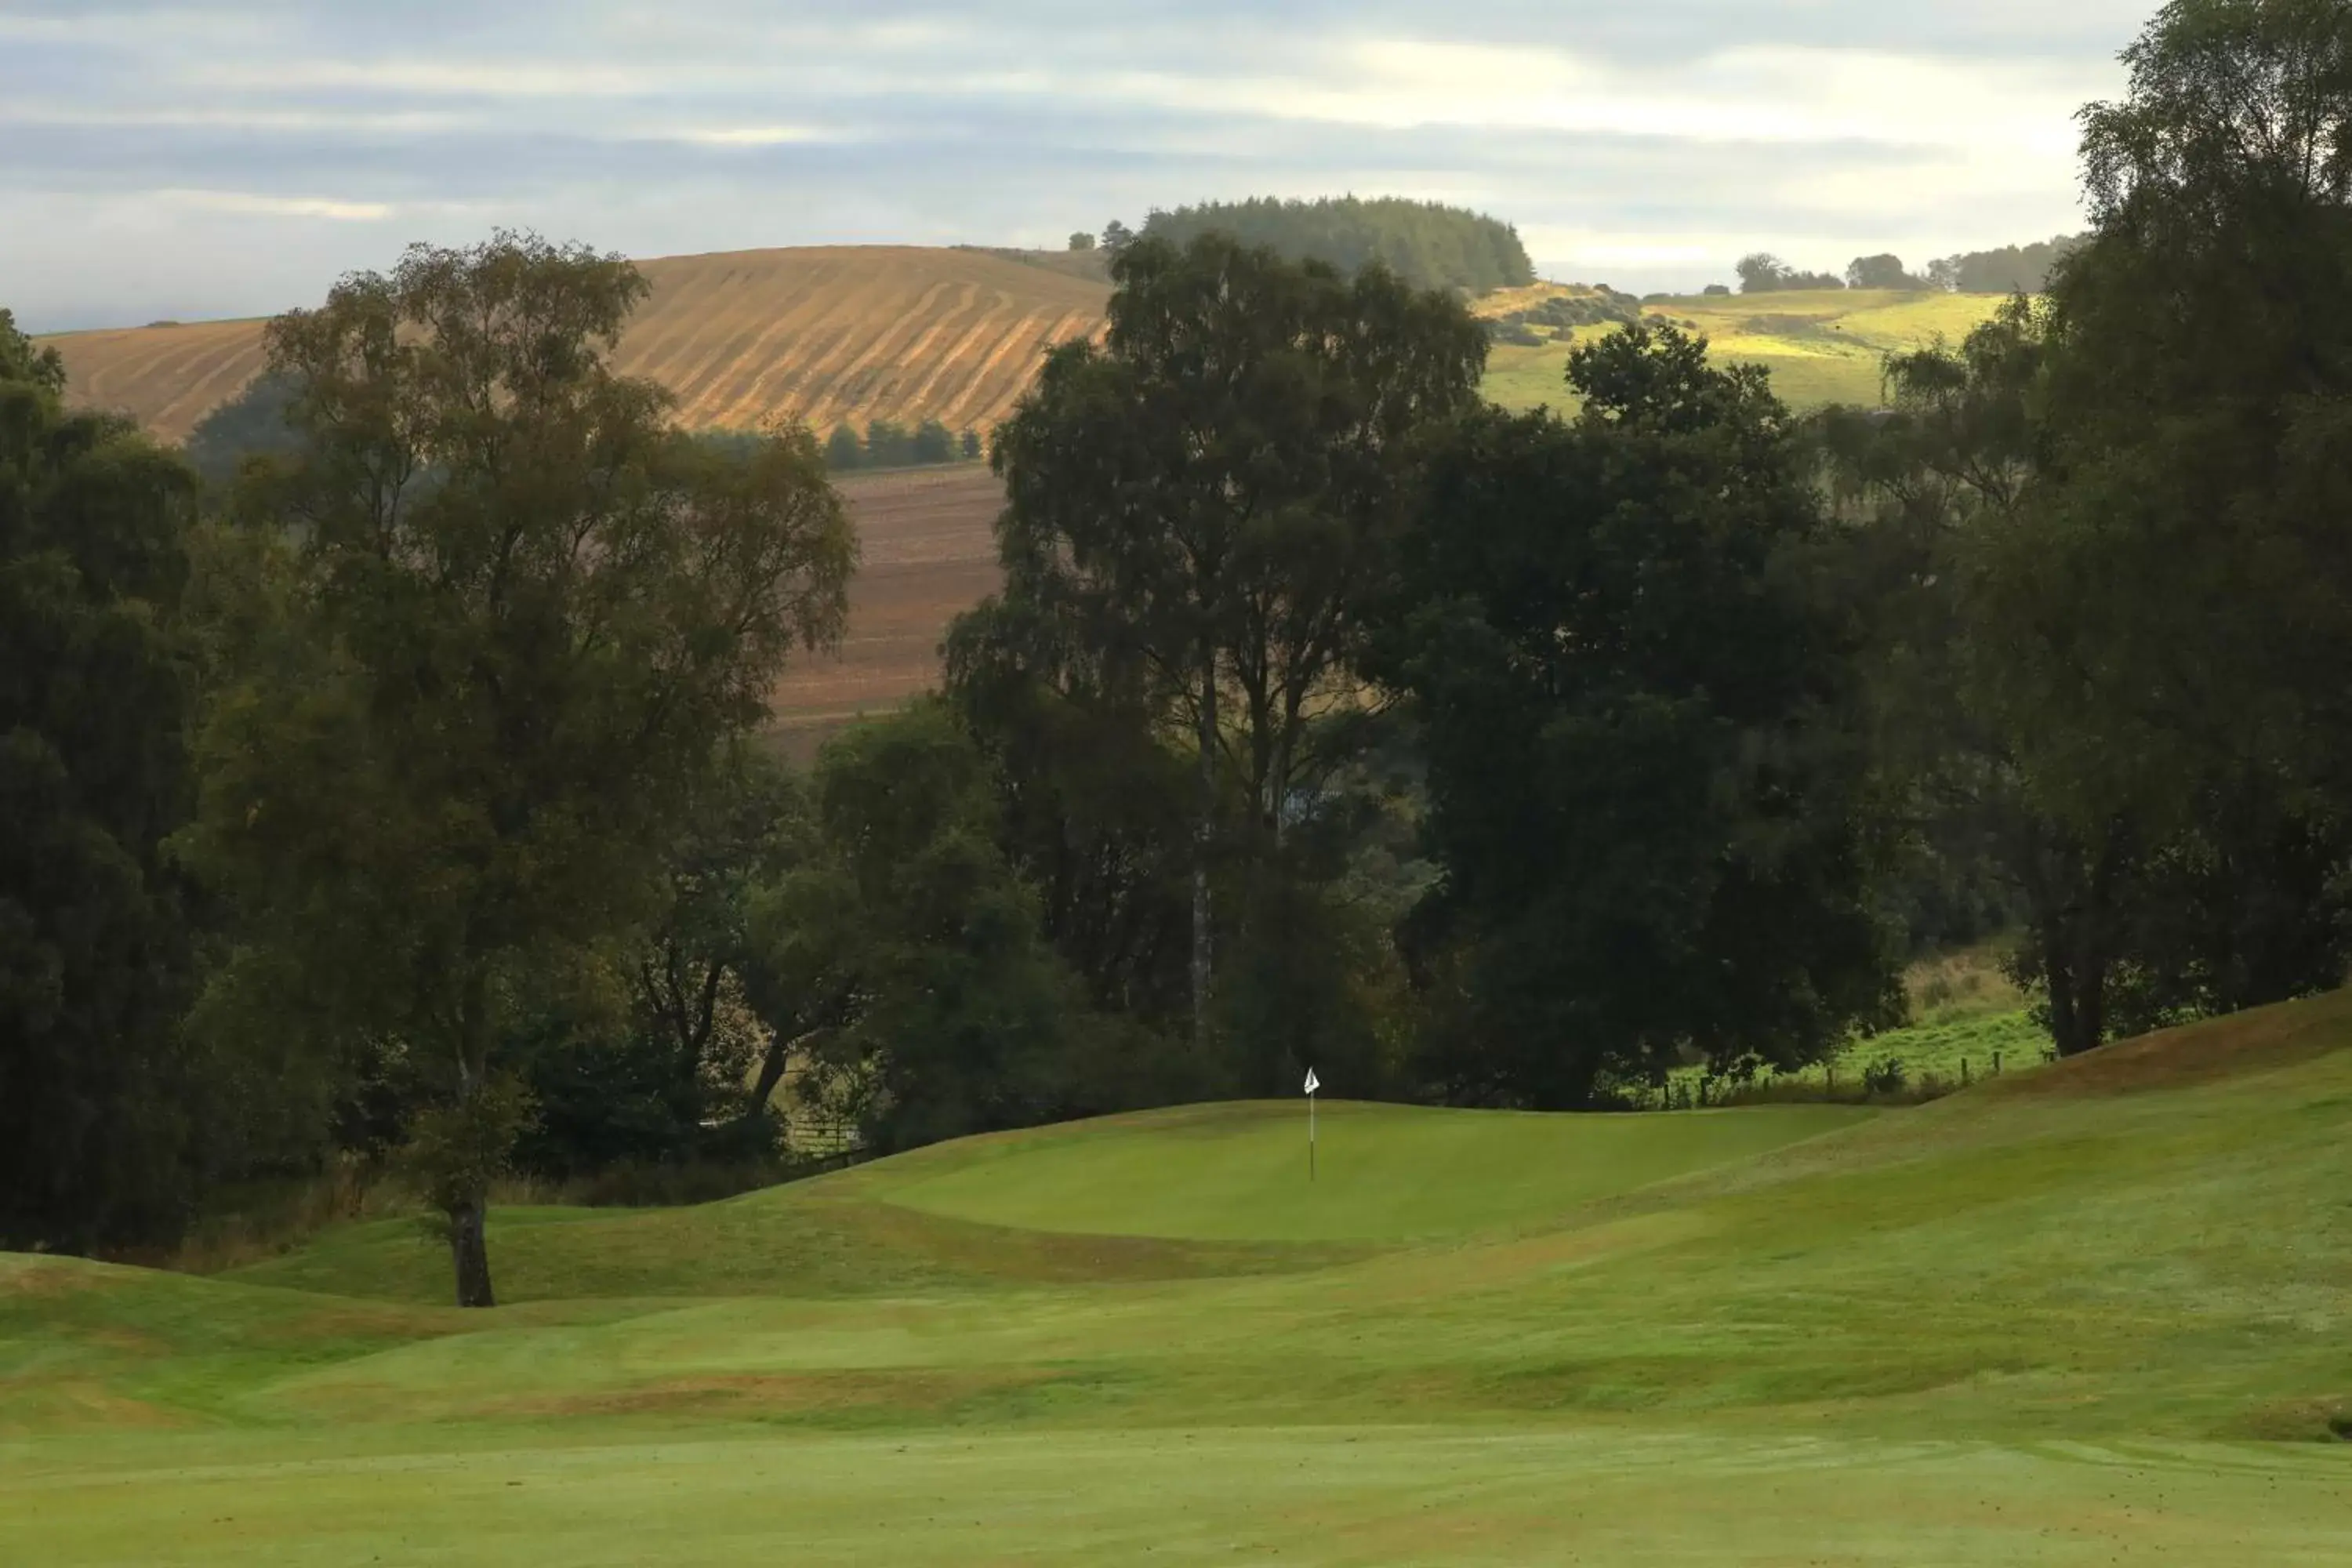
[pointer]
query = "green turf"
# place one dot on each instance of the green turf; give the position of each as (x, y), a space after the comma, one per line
(2093, 1312)
(1822, 348)
(1383, 1172)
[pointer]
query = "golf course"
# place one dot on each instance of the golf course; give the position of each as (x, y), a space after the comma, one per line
(2091, 1312)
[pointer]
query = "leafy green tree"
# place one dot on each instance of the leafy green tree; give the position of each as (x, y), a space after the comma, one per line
(967, 447)
(480, 636)
(1081, 241)
(99, 1097)
(2010, 269)
(1928, 484)
(1644, 794)
(889, 445)
(1881, 272)
(1426, 243)
(949, 1013)
(1116, 236)
(844, 451)
(1202, 505)
(1764, 273)
(932, 443)
(2170, 598)
(250, 424)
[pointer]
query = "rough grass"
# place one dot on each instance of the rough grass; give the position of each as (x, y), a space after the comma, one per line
(2097, 1312)
(1822, 348)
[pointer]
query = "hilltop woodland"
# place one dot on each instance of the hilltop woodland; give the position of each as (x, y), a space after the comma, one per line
(398, 797)
(1426, 243)
(2010, 269)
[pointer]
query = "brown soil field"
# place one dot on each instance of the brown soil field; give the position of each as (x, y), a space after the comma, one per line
(929, 552)
(819, 334)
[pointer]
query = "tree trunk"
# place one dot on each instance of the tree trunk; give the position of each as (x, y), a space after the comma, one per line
(469, 1246)
(469, 1253)
(772, 1073)
(1204, 837)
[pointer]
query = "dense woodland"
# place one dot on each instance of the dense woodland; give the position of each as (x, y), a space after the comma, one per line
(399, 796)
(1426, 243)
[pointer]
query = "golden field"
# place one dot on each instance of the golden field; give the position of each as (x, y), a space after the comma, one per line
(822, 334)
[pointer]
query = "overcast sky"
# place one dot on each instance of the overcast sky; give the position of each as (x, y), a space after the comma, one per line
(232, 157)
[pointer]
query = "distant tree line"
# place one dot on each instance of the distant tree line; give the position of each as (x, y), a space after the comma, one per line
(1427, 244)
(403, 798)
(887, 444)
(2011, 269)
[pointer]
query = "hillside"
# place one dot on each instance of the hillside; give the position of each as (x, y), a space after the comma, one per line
(2096, 1312)
(821, 335)
(927, 553)
(1821, 347)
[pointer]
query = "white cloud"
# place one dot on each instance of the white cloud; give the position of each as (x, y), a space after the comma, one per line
(262, 206)
(1656, 140)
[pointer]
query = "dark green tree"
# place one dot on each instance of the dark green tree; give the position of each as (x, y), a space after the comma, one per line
(969, 447)
(1644, 791)
(2171, 597)
(932, 443)
(889, 445)
(250, 424)
(940, 1008)
(1881, 272)
(1202, 508)
(844, 451)
(99, 1097)
(481, 636)
(1426, 243)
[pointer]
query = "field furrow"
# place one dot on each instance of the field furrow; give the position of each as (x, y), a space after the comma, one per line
(822, 333)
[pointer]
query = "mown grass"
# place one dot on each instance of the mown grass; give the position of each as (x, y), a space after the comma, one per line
(2092, 1311)
(1822, 348)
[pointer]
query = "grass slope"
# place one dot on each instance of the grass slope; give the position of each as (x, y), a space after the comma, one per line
(1821, 347)
(1383, 1173)
(2093, 1312)
(822, 334)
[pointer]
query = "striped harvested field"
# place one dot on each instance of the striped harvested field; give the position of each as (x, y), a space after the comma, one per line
(929, 554)
(823, 334)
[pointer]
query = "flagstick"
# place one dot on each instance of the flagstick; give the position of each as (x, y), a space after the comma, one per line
(1310, 1137)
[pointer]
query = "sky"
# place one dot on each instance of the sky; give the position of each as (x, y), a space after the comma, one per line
(232, 157)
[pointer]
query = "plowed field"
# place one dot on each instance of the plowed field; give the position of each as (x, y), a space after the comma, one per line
(929, 554)
(821, 335)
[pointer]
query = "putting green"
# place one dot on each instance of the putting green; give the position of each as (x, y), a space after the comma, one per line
(2091, 1313)
(1381, 1172)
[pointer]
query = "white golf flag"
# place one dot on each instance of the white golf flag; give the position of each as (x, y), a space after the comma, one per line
(1313, 1083)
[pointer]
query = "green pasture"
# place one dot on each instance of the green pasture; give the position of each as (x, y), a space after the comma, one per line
(1821, 347)
(2092, 1312)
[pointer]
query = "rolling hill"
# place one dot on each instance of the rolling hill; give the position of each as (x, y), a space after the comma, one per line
(2094, 1312)
(821, 335)
(1821, 347)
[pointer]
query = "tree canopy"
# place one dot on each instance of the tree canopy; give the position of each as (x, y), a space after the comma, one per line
(100, 1100)
(1427, 244)
(483, 631)
(1643, 791)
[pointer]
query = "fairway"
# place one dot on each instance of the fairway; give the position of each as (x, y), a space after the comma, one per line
(2094, 1312)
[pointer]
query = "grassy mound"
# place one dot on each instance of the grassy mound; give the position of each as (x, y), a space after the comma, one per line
(2090, 1312)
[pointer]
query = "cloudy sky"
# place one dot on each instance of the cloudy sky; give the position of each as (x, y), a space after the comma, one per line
(228, 157)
